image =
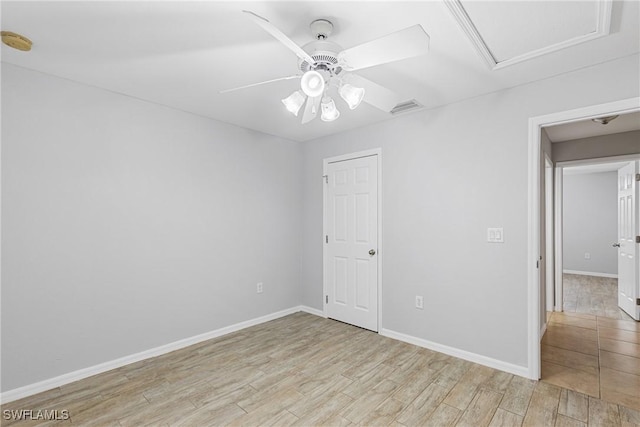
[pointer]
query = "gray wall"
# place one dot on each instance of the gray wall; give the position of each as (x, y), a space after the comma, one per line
(590, 217)
(128, 225)
(448, 174)
(617, 144)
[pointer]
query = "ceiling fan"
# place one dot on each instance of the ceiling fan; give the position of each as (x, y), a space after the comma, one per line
(324, 65)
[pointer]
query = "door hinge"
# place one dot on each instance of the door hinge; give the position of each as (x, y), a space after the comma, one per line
(638, 177)
(637, 239)
(326, 299)
(326, 238)
(326, 178)
(637, 301)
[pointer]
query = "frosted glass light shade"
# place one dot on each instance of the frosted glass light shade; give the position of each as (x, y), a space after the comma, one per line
(352, 95)
(329, 110)
(312, 83)
(294, 102)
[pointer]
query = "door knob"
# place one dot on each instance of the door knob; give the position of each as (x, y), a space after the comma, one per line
(616, 245)
(372, 252)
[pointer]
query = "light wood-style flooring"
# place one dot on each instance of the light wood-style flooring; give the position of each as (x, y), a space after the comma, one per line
(305, 370)
(591, 295)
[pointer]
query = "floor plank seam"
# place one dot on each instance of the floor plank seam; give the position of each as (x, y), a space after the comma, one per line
(280, 381)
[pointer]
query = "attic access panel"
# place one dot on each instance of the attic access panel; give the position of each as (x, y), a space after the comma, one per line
(506, 33)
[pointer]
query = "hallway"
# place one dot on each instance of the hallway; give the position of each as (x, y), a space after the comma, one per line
(593, 347)
(592, 295)
(594, 355)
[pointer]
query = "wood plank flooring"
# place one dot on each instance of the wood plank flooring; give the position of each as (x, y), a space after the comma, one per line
(306, 370)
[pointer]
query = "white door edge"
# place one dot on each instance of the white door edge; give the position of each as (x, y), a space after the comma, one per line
(343, 157)
(549, 250)
(628, 229)
(536, 123)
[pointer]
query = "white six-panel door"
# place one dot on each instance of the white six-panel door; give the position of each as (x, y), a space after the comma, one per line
(628, 223)
(351, 241)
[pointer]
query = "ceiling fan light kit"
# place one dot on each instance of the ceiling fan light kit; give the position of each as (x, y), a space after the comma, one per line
(294, 102)
(352, 95)
(325, 65)
(329, 110)
(312, 83)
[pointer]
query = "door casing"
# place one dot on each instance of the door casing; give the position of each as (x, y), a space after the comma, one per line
(533, 218)
(558, 215)
(380, 251)
(549, 251)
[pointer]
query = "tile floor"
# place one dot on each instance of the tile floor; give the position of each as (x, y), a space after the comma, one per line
(594, 355)
(592, 295)
(593, 347)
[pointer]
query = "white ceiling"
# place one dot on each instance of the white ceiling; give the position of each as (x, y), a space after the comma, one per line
(181, 54)
(587, 128)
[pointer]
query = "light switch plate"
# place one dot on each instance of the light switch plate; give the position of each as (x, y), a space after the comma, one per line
(495, 235)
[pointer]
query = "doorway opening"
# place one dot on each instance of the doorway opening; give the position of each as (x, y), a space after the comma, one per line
(589, 345)
(588, 225)
(536, 240)
(586, 342)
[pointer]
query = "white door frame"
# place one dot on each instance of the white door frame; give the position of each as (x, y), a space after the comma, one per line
(380, 252)
(549, 262)
(533, 221)
(558, 183)
(559, 224)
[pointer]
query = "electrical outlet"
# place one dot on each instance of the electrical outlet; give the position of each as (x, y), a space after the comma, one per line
(259, 287)
(587, 255)
(419, 302)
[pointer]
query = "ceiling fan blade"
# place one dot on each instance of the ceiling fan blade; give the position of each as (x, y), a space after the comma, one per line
(407, 43)
(260, 83)
(374, 94)
(311, 109)
(280, 36)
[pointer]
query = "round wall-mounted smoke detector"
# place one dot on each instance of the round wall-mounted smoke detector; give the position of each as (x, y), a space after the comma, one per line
(321, 28)
(16, 41)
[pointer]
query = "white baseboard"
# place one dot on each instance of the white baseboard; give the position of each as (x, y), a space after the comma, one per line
(522, 371)
(31, 389)
(590, 273)
(28, 390)
(311, 310)
(543, 329)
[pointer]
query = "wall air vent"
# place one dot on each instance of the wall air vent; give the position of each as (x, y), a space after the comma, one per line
(407, 106)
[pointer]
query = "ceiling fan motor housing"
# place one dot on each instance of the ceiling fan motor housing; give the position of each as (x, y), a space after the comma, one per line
(325, 56)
